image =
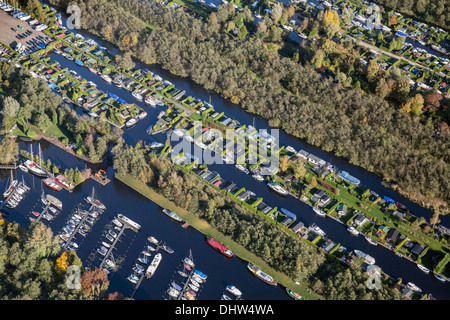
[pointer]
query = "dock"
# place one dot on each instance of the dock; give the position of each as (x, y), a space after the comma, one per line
(185, 225)
(84, 214)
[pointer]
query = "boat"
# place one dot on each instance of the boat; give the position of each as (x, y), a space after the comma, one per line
(258, 177)
(137, 96)
(294, 295)
(240, 167)
(34, 168)
(54, 201)
(195, 283)
(319, 212)
(167, 249)
(153, 265)
(133, 278)
(317, 230)
(189, 296)
(262, 275)
(36, 214)
(233, 290)
(439, 277)
(117, 223)
(106, 245)
(138, 270)
(67, 185)
(128, 221)
(187, 267)
(23, 168)
(102, 251)
(413, 287)
(95, 202)
(110, 239)
(10, 189)
(150, 248)
(112, 233)
(353, 231)
(193, 287)
(106, 78)
(172, 215)
(189, 262)
(370, 260)
(423, 268)
(225, 297)
(173, 292)
(181, 273)
(142, 115)
(371, 241)
(220, 247)
(152, 239)
(347, 177)
(131, 122)
(52, 184)
(277, 188)
(200, 274)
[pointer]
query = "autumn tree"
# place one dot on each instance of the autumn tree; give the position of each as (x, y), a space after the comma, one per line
(94, 282)
(284, 163)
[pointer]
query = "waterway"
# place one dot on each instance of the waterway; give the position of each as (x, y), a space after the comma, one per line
(221, 271)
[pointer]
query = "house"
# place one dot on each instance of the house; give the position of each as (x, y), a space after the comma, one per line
(327, 246)
(382, 229)
(324, 200)
(360, 219)
(393, 235)
(341, 209)
(398, 214)
(417, 250)
(303, 154)
(230, 186)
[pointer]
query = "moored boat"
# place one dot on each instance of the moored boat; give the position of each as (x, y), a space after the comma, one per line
(439, 277)
(52, 184)
(23, 168)
(258, 177)
(233, 290)
(128, 221)
(423, 268)
(167, 249)
(131, 122)
(152, 239)
(172, 215)
(153, 265)
(347, 177)
(34, 168)
(353, 231)
(137, 96)
(371, 241)
(277, 189)
(294, 295)
(319, 212)
(220, 247)
(200, 274)
(262, 275)
(413, 287)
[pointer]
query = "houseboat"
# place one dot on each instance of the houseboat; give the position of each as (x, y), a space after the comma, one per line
(347, 177)
(277, 189)
(220, 247)
(261, 275)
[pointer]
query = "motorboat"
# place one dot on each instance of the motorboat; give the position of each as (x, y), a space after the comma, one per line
(23, 168)
(117, 223)
(193, 287)
(240, 167)
(423, 268)
(137, 96)
(129, 222)
(277, 189)
(133, 278)
(181, 273)
(150, 248)
(112, 233)
(232, 289)
(439, 277)
(152, 239)
(106, 78)
(111, 239)
(225, 297)
(353, 231)
(319, 212)
(106, 245)
(142, 115)
(371, 241)
(189, 262)
(317, 230)
(201, 274)
(413, 287)
(153, 265)
(102, 251)
(167, 249)
(131, 122)
(173, 292)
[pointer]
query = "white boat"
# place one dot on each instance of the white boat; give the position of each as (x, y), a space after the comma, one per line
(193, 287)
(172, 215)
(23, 168)
(232, 289)
(152, 240)
(319, 212)
(142, 115)
(106, 78)
(258, 177)
(240, 167)
(277, 189)
(173, 292)
(188, 262)
(128, 221)
(106, 245)
(370, 260)
(413, 287)
(439, 277)
(131, 122)
(371, 241)
(117, 223)
(133, 278)
(424, 269)
(353, 231)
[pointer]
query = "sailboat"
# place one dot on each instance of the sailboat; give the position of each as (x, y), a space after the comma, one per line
(33, 167)
(11, 187)
(95, 202)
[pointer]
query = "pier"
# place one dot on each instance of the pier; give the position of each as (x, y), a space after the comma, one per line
(142, 277)
(84, 214)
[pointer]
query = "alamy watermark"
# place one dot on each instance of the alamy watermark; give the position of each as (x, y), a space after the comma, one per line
(74, 20)
(374, 280)
(73, 280)
(212, 146)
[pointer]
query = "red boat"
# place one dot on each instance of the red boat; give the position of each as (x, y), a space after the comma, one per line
(220, 247)
(401, 206)
(36, 214)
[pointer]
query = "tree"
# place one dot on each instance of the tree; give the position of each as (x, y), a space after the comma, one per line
(298, 168)
(61, 263)
(277, 11)
(317, 59)
(284, 163)
(435, 218)
(10, 107)
(417, 104)
(94, 282)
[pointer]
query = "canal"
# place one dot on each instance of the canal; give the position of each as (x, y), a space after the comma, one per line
(221, 271)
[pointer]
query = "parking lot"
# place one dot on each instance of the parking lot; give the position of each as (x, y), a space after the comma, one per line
(13, 30)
